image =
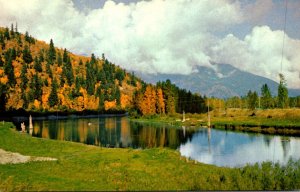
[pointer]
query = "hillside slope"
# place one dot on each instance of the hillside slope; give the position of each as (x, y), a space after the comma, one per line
(36, 76)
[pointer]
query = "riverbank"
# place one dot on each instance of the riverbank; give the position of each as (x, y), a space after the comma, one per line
(271, 121)
(84, 167)
(38, 115)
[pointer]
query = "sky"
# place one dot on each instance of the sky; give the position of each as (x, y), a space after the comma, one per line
(170, 36)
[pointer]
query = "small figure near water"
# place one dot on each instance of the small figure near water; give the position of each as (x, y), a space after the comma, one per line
(23, 127)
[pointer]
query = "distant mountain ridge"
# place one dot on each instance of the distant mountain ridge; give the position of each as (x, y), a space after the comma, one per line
(223, 82)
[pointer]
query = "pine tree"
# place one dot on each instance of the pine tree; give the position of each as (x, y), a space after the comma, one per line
(59, 59)
(6, 34)
(12, 32)
(3, 98)
(2, 42)
(16, 29)
(27, 57)
(283, 98)
(53, 98)
(65, 56)
(41, 56)
(37, 65)
(10, 72)
(118, 96)
(1, 62)
(27, 37)
(69, 72)
(48, 69)
(24, 79)
(90, 78)
(120, 75)
(266, 97)
(36, 86)
(252, 99)
(51, 53)
(101, 100)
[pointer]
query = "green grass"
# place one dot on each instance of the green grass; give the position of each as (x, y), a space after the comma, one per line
(82, 167)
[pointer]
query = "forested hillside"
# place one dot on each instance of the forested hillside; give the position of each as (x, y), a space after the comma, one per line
(36, 76)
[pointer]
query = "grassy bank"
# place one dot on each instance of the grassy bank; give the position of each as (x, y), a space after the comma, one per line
(272, 121)
(82, 167)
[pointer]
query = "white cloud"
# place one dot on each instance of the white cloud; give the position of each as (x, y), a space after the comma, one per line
(261, 53)
(170, 36)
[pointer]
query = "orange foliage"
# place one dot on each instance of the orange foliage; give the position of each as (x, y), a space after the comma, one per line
(110, 105)
(160, 102)
(59, 70)
(14, 100)
(126, 100)
(147, 102)
(36, 104)
(4, 80)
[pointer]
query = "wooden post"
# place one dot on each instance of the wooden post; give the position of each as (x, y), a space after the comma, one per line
(208, 115)
(30, 122)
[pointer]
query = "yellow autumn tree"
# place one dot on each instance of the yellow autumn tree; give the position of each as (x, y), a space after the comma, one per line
(160, 104)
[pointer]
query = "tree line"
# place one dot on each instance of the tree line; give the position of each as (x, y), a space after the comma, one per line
(167, 98)
(264, 100)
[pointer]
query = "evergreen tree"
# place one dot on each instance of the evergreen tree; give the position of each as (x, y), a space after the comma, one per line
(37, 65)
(6, 34)
(266, 97)
(10, 54)
(77, 84)
(65, 56)
(3, 98)
(101, 100)
(252, 99)
(25, 100)
(59, 59)
(51, 53)
(41, 56)
(19, 40)
(16, 29)
(24, 79)
(36, 86)
(12, 32)
(48, 69)
(1, 62)
(283, 99)
(10, 72)
(62, 81)
(68, 71)
(118, 96)
(27, 37)
(2, 42)
(53, 98)
(90, 78)
(27, 57)
(120, 75)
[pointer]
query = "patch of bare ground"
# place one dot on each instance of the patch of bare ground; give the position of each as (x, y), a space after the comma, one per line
(7, 157)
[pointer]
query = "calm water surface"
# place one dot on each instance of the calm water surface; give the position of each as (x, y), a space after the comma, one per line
(211, 146)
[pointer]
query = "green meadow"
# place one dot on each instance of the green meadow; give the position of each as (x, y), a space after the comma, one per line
(84, 167)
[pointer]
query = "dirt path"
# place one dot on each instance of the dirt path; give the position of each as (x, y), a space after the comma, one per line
(7, 157)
